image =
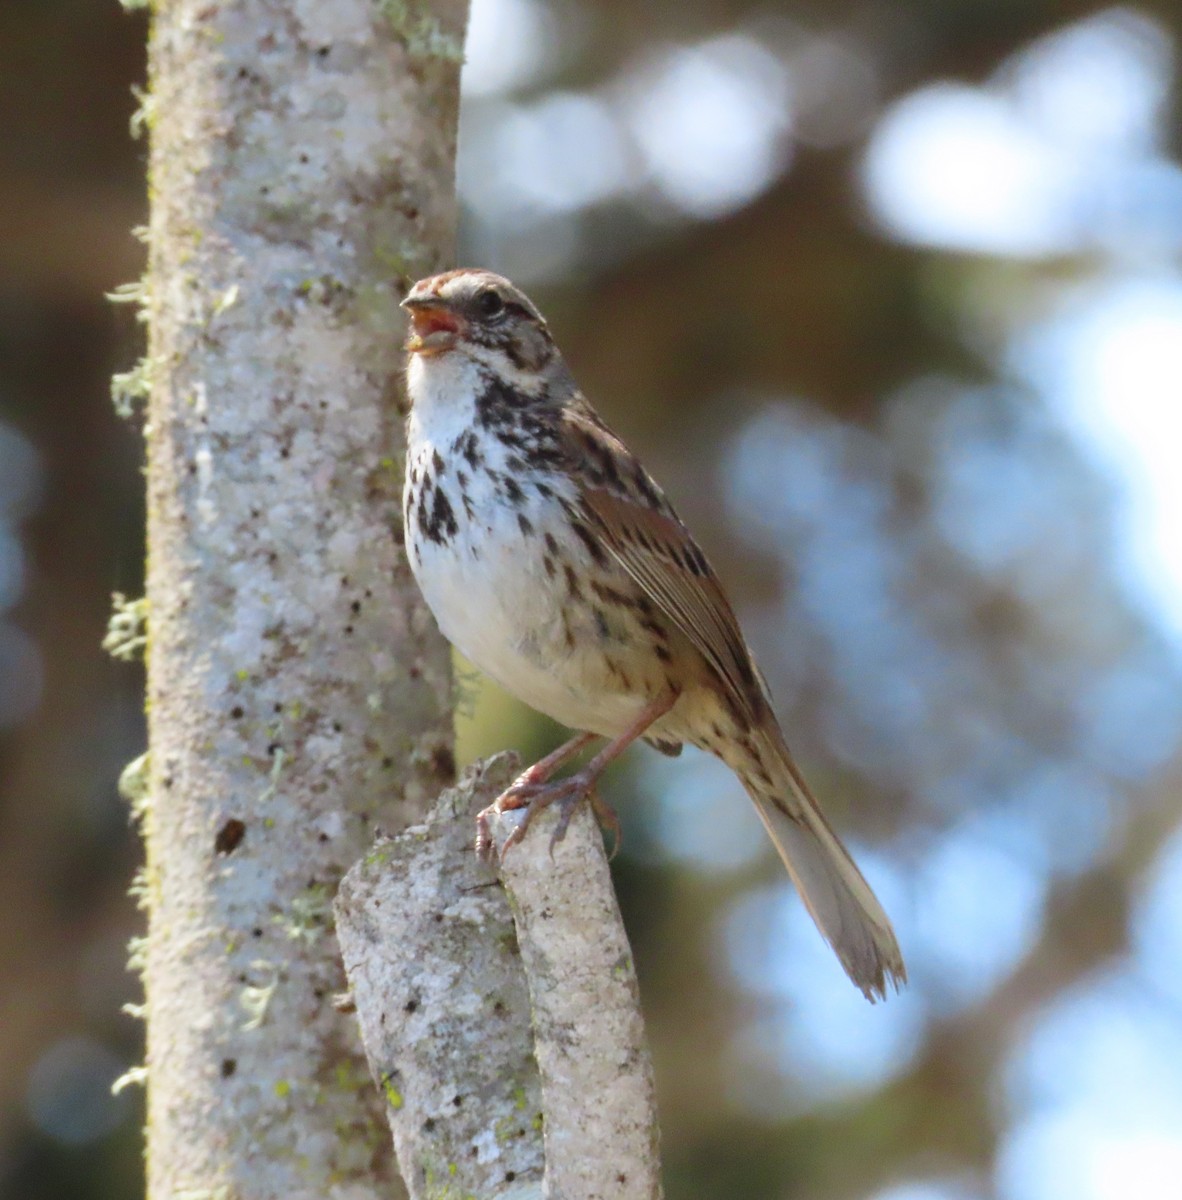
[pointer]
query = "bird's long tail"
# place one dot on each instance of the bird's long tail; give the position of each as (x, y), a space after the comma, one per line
(834, 891)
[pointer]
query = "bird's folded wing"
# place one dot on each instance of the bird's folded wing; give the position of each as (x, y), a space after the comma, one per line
(658, 552)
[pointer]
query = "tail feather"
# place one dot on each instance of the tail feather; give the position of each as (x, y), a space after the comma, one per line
(834, 891)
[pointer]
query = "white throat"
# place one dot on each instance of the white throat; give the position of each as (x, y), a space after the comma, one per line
(443, 389)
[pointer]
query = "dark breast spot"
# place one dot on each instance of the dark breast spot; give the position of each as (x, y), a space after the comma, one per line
(497, 406)
(572, 581)
(422, 507)
(471, 450)
(437, 524)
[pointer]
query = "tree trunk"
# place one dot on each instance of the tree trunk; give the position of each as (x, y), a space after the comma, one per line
(301, 176)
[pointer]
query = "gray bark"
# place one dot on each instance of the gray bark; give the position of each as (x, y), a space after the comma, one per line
(598, 1092)
(428, 943)
(301, 176)
(439, 960)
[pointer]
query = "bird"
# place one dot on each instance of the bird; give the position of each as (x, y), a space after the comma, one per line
(555, 563)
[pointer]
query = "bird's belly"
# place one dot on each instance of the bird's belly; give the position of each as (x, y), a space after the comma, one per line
(494, 598)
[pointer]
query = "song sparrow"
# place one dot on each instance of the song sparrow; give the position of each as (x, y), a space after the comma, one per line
(554, 562)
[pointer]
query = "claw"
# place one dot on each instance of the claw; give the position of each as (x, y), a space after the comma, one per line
(606, 816)
(531, 791)
(533, 797)
(566, 811)
(484, 837)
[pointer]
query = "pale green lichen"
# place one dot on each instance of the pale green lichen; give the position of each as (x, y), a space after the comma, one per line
(127, 630)
(130, 388)
(420, 32)
(506, 1129)
(392, 1094)
(320, 288)
(436, 1188)
(135, 292)
(380, 855)
(137, 953)
(133, 785)
(255, 999)
(144, 117)
(226, 300)
(272, 787)
(132, 1077)
(141, 889)
(309, 917)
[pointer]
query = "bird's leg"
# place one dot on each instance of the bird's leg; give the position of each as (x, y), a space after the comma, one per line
(541, 771)
(533, 796)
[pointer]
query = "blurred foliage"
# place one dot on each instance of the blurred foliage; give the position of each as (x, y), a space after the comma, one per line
(929, 560)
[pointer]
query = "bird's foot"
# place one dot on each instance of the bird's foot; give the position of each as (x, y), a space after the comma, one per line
(533, 797)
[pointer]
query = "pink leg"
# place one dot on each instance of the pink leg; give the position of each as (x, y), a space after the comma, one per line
(533, 776)
(534, 795)
(541, 771)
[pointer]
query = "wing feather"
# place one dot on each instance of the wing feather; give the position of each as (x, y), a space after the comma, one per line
(640, 530)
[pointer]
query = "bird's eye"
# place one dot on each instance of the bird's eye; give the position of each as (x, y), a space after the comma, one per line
(490, 303)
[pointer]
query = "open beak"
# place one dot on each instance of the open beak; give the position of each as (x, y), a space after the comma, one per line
(434, 327)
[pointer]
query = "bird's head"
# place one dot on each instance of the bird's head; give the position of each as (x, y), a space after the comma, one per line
(480, 315)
